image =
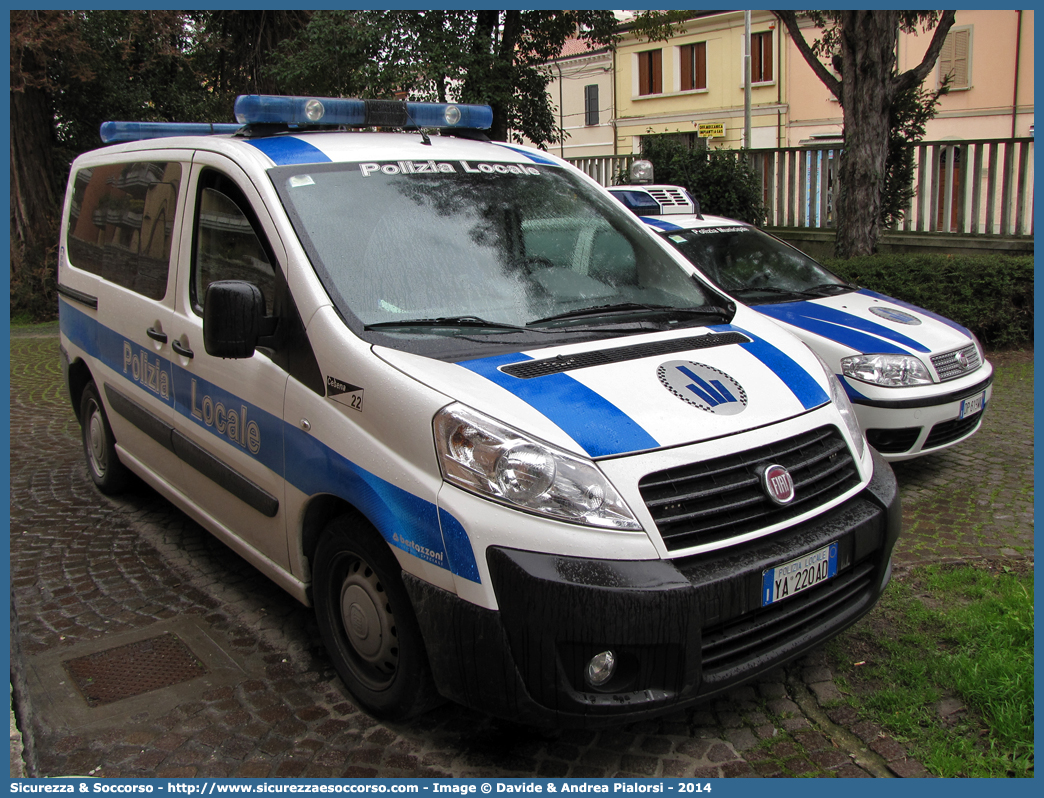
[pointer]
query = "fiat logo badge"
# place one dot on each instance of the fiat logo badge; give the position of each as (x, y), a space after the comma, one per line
(962, 360)
(778, 484)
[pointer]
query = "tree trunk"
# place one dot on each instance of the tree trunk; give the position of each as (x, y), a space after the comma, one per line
(867, 63)
(34, 195)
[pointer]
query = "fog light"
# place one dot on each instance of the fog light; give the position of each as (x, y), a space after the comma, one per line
(601, 668)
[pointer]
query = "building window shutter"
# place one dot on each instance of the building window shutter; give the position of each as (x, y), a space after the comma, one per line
(591, 104)
(954, 58)
(761, 57)
(650, 75)
(693, 66)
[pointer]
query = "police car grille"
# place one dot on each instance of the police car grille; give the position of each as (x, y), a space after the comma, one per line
(949, 368)
(756, 634)
(950, 431)
(529, 369)
(718, 499)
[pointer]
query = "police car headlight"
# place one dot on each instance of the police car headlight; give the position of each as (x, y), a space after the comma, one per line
(481, 455)
(891, 371)
(844, 407)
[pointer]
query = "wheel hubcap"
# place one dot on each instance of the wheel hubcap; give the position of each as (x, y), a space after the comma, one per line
(369, 624)
(96, 441)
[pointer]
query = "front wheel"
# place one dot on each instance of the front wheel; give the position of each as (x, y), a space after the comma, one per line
(367, 622)
(99, 444)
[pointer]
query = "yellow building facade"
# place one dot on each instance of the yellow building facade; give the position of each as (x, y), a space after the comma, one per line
(693, 85)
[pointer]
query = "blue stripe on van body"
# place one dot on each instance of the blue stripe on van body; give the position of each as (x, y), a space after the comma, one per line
(599, 426)
(285, 150)
(849, 330)
(406, 521)
(802, 384)
(915, 309)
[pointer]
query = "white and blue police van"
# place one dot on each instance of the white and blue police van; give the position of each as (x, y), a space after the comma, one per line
(919, 382)
(513, 448)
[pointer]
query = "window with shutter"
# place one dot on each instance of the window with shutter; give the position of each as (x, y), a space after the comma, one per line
(761, 57)
(591, 104)
(954, 58)
(650, 75)
(693, 66)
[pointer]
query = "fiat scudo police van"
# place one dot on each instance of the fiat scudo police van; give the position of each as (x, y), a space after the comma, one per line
(511, 446)
(919, 382)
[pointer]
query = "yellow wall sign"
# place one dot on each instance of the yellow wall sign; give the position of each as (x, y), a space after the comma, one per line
(710, 130)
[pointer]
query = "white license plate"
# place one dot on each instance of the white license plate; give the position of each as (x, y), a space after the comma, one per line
(792, 577)
(972, 405)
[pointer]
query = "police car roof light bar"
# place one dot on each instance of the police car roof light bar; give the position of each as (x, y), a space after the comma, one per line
(116, 132)
(271, 109)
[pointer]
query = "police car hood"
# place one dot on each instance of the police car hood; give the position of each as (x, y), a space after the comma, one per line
(640, 393)
(870, 323)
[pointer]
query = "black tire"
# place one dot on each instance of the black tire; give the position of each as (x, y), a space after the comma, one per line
(99, 444)
(367, 622)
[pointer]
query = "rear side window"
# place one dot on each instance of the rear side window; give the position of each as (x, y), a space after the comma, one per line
(121, 221)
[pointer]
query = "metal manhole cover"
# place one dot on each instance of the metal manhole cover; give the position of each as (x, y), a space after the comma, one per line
(133, 669)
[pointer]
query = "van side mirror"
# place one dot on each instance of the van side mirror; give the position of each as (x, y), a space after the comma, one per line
(233, 316)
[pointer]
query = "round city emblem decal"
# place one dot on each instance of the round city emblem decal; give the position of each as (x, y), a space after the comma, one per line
(778, 484)
(896, 315)
(704, 386)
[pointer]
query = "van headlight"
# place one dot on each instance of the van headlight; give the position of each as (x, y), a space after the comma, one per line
(844, 407)
(481, 455)
(891, 371)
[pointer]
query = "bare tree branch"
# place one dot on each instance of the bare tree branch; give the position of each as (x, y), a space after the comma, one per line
(914, 77)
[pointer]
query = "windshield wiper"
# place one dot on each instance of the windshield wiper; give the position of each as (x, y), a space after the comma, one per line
(740, 292)
(632, 307)
(446, 321)
(831, 288)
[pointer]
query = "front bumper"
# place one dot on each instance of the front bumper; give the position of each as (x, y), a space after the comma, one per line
(683, 629)
(902, 429)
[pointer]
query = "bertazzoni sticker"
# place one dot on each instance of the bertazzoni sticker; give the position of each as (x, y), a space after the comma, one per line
(704, 386)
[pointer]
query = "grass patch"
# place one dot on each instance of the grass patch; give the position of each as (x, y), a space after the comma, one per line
(945, 664)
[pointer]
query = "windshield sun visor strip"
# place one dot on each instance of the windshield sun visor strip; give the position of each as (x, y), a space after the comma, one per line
(286, 150)
(599, 426)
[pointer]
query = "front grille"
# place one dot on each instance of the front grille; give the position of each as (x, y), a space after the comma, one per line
(701, 503)
(948, 365)
(758, 633)
(950, 431)
(528, 369)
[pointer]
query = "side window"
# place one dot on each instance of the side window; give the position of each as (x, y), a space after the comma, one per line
(228, 241)
(120, 223)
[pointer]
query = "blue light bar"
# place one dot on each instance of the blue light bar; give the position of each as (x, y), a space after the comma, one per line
(270, 109)
(115, 132)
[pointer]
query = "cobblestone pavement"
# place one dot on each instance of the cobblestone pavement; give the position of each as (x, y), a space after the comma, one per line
(89, 573)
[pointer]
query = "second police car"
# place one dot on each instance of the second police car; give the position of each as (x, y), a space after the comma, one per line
(919, 382)
(514, 449)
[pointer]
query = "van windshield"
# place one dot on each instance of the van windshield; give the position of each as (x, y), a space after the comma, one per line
(467, 249)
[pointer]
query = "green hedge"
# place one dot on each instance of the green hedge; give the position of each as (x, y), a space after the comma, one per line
(992, 295)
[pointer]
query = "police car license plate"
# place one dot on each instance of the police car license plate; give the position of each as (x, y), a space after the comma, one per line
(972, 405)
(792, 577)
